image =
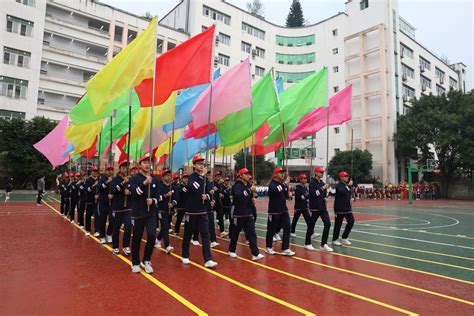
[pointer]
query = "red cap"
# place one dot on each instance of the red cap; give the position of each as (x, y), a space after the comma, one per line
(226, 179)
(175, 176)
(133, 168)
(197, 158)
(65, 175)
(123, 163)
(217, 173)
(302, 176)
(165, 171)
(109, 167)
(279, 169)
(343, 174)
(77, 174)
(93, 168)
(184, 175)
(319, 169)
(146, 157)
(243, 171)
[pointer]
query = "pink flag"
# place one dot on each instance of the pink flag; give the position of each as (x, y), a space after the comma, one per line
(230, 93)
(53, 145)
(339, 112)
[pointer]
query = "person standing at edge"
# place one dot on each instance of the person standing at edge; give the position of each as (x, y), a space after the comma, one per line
(143, 215)
(90, 186)
(196, 212)
(301, 204)
(318, 192)
(343, 209)
(40, 186)
(278, 212)
(82, 200)
(74, 188)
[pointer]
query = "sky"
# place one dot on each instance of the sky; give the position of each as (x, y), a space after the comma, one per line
(446, 28)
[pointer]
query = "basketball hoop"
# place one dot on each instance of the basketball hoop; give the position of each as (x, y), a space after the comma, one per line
(436, 171)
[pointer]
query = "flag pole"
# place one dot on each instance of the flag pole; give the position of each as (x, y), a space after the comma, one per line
(245, 155)
(98, 162)
(311, 173)
(352, 154)
(128, 139)
(111, 157)
(170, 156)
(327, 121)
(253, 139)
(282, 127)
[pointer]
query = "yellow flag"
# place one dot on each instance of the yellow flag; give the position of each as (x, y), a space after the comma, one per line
(164, 147)
(126, 70)
(82, 136)
(231, 150)
(162, 114)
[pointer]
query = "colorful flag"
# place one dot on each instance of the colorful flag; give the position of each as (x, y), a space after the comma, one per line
(53, 145)
(185, 149)
(187, 65)
(230, 93)
(82, 136)
(339, 112)
(126, 70)
(192, 132)
(222, 150)
(259, 149)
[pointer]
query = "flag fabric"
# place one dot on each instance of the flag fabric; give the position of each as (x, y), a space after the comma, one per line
(70, 148)
(126, 70)
(192, 132)
(237, 126)
(259, 149)
(82, 136)
(339, 112)
(90, 152)
(187, 65)
(53, 145)
(295, 102)
(165, 147)
(185, 149)
(230, 93)
(222, 150)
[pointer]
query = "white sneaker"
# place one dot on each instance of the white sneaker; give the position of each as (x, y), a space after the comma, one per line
(287, 252)
(116, 251)
(293, 234)
(224, 233)
(37, 204)
(81, 227)
(88, 233)
(309, 247)
(258, 257)
(277, 236)
(103, 241)
(170, 230)
(195, 242)
(337, 242)
(136, 268)
(157, 244)
(314, 236)
(326, 248)
(72, 221)
(96, 234)
(232, 254)
(210, 264)
(274, 239)
(346, 242)
(146, 265)
(109, 239)
(186, 261)
(169, 249)
(126, 251)
(214, 244)
(270, 251)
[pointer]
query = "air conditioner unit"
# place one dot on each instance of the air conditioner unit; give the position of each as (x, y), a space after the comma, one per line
(422, 68)
(254, 53)
(423, 87)
(404, 77)
(217, 40)
(405, 98)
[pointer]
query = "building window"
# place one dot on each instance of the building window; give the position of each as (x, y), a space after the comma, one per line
(336, 130)
(30, 3)
(215, 15)
(335, 51)
(246, 47)
(407, 71)
(440, 90)
(224, 39)
(9, 115)
(253, 31)
(336, 89)
(259, 71)
(336, 151)
(170, 46)
(292, 77)
(439, 74)
(335, 68)
(334, 32)
(259, 52)
(406, 51)
(364, 4)
(408, 92)
(424, 64)
(16, 57)
(453, 83)
(224, 59)
(13, 88)
(19, 26)
(295, 59)
(295, 41)
(425, 82)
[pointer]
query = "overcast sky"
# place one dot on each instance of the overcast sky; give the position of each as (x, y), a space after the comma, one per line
(444, 27)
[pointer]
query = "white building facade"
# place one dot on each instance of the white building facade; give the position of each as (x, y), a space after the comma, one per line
(52, 47)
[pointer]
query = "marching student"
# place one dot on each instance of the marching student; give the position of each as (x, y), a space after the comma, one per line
(243, 217)
(121, 209)
(318, 191)
(343, 209)
(63, 183)
(143, 215)
(74, 189)
(217, 185)
(8, 189)
(90, 187)
(104, 202)
(81, 207)
(40, 186)
(210, 211)
(196, 212)
(166, 198)
(226, 200)
(181, 206)
(301, 203)
(278, 212)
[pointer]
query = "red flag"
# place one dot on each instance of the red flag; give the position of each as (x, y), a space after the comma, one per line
(90, 152)
(259, 149)
(162, 160)
(199, 132)
(187, 65)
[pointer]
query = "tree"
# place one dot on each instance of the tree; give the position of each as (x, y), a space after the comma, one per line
(362, 165)
(18, 158)
(263, 168)
(256, 7)
(440, 125)
(295, 17)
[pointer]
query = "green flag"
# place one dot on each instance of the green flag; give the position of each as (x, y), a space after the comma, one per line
(237, 126)
(296, 102)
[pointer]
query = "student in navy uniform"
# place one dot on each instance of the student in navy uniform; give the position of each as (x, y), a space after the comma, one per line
(90, 189)
(81, 206)
(104, 203)
(181, 206)
(166, 197)
(143, 215)
(226, 200)
(278, 216)
(121, 209)
(8, 189)
(196, 212)
(63, 187)
(343, 209)
(217, 185)
(318, 191)
(74, 188)
(301, 204)
(243, 217)
(210, 210)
